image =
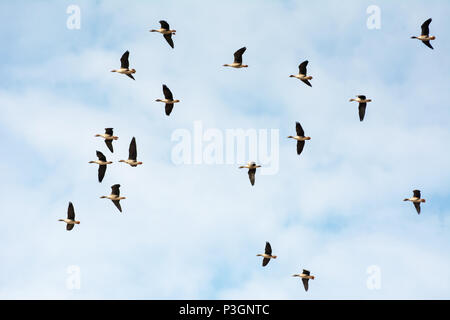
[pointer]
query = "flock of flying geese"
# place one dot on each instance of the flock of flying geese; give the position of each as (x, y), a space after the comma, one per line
(169, 101)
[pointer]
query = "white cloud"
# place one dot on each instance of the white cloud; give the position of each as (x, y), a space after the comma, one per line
(194, 231)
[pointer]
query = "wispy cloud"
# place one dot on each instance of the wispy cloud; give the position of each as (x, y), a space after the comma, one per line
(192, 231)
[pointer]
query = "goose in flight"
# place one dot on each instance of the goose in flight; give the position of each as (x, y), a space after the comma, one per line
(416, 200)
(425, 35)
(267, 255)
(124, 66)
(302, 73)
(166, 32)
(115, 196)
(102, 165)
(109, 137)
(238, 59)
(251, 166)
(362, 105)
(300, 137)
(132, 155)
(169, 101)
(305, 275)
(70, 221)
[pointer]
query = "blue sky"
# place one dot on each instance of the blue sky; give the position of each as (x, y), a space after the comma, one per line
(193, 231)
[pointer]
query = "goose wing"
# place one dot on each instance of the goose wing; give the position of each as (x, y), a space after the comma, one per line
(307, 82)
(117, 204)
(169, 108)
(109, 131)
(115, 189)
(70, 212)
(299, 129)
(362, 110)
(130, 76)
(302, 67)
(238, 55)
(417, 206)
(306, 272)
(428, 44)
(426, 27)
(251, 175)
(362, 97)
(69, 227)
(124, 63)
(305, 283)
(300, 146)
(132, 151)
(416, 193)
(164, 24)
(101, 172)
(268, 249)
(167, 93)
(101, 156)
(109, 145)
(169, 40)
(265, 261)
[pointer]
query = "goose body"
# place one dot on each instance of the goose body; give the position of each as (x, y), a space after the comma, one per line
(305, 276)
(302, 74)
(102, 162)
(238, 59)
(168, 100)
(300, 137)
(132, 155)
(166, 32)
(251, 166)
(425, 35)
(124, 66)
(267, 255)
(115, 196)
(362, 100)
(416, 199)
(109, 138)
(70, 221)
